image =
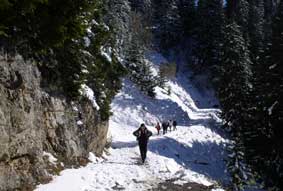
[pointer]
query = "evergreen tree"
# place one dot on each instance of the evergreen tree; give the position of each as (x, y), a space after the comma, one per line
(117, 16)
(59, 35)
(162, 80)
(234, 74)
(188, 16)
(269, 10)
(256, 29)
(103, 68)
(238, 10)
(271, 82)
(234, 88)
(139, 70)
(168, 25)
(209, 33)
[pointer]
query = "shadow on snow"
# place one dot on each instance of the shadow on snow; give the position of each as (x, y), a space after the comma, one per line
(202, 157)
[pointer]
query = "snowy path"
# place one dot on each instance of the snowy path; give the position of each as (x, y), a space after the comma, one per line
(193, 153)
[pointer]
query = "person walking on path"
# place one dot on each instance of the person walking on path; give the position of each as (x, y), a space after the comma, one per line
(174, 125)
(142, 135)
(158, 128)
(170, 124)
(164, 127)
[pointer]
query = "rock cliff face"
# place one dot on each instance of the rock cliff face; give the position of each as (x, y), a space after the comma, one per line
(35, 125)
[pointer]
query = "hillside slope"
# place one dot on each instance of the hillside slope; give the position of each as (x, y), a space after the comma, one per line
(193, 153)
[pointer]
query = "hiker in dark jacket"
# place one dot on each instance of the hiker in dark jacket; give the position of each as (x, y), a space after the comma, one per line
(174, 125)
(164, 127)
(143, 135)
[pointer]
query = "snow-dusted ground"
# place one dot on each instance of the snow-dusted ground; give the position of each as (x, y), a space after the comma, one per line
(193, 153)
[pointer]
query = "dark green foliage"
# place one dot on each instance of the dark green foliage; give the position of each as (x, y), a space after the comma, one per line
(138, 69)
(140, 72)
(103, 74)
(209, 34)
(43, 24)
(247, 72)
(233, 84)
(256, 29)
(167, 23)
(238, 10)
(254, 111)
(188, 16)
(270, 85)
(67, 39)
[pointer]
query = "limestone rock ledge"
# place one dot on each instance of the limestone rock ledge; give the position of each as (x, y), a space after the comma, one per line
(35, 125)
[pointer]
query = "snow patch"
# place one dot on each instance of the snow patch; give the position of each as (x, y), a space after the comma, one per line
(106, 53)
(94, 159)
(270, 109)
(86, 41)
(88, 92)
(50, 157)
(80, 122)
(75, 108)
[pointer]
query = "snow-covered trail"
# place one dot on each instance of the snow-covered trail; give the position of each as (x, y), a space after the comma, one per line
(193, 153)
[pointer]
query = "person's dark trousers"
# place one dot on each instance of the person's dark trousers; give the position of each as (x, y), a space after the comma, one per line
(164, 130)
(143, 150)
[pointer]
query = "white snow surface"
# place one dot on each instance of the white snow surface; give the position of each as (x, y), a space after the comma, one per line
(88, 92)
(195, 152)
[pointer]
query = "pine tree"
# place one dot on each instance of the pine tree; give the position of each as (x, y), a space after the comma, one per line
(234, 88)
(234, 73)
(162, 80)
(256, 29)
(117, 16)
(139, 70)
(209, 33)
(259, 140)
(188, 16)
(238, 10)
(67, 54)
(167, 23)
(269, 10)
(271, 92)
(103, 68)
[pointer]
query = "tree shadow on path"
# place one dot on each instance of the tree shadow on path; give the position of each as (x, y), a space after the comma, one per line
(202, 157)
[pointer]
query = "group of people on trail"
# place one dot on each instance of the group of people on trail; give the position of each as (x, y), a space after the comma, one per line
(166, 125)
(143, 134)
